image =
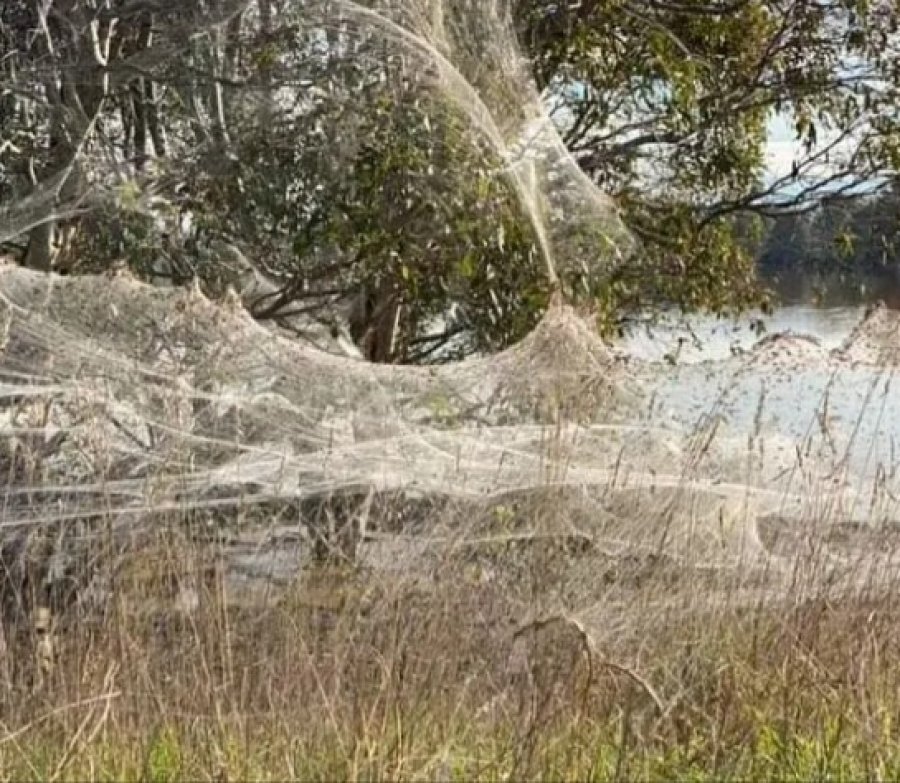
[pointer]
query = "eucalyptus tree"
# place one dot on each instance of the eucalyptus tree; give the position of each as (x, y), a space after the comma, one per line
(668, 104)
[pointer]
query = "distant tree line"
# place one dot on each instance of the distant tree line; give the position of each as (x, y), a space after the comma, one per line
(845, 249)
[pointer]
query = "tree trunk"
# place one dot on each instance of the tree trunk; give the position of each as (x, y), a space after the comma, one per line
(157, 131)
(267, 107)
(75, 91)
(39, 253)
(373, 323)
(136, 91)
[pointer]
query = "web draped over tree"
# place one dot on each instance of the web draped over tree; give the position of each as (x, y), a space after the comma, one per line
(390, 160)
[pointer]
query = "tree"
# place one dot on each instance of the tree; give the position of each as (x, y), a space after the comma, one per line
(666, 105)
(335, 153)
(337, 169)
(853, 245)
(405, 219)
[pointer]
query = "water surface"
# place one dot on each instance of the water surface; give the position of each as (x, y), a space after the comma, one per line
(798, 393)
(705, 337)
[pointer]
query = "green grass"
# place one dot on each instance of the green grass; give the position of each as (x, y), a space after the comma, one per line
(585, 752)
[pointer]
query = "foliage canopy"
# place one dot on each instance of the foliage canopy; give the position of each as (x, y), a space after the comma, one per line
(323, 155)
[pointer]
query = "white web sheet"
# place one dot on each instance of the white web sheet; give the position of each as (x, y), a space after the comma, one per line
(129, 402)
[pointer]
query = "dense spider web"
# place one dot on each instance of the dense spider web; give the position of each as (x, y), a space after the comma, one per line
(196, 408)
(128, 404)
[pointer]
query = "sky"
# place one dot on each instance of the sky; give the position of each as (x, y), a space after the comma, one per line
(783, 148)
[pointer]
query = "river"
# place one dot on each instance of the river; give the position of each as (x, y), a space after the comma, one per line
(827, 396)
(705, 337)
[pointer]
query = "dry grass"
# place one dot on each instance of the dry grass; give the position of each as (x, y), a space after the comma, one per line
(478, 668)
